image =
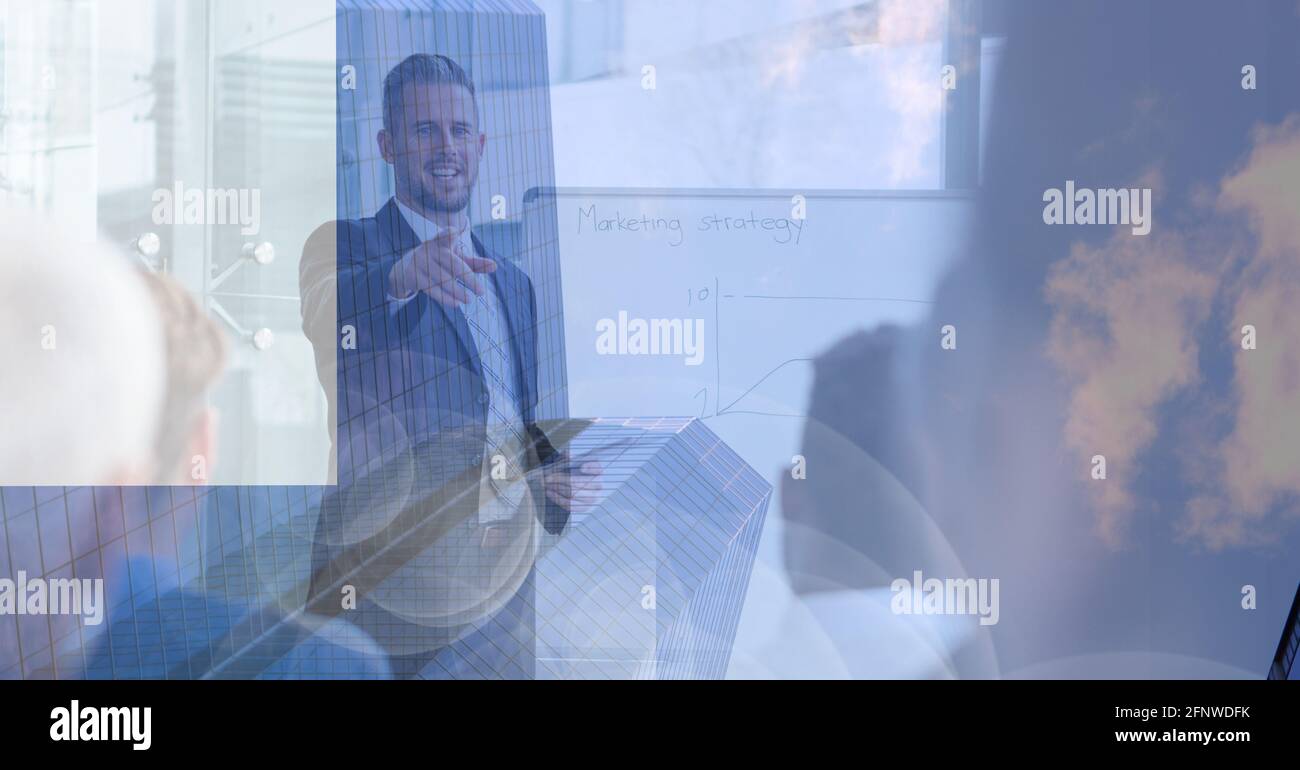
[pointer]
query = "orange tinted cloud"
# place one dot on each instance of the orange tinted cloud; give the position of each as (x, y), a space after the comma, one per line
(1123, 333)
(1127, 331)
(1259, 460)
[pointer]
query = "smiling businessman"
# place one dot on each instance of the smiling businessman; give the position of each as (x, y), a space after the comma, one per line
(444, 477)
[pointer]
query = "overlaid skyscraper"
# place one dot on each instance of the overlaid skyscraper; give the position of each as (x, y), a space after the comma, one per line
(1284, 661)
(651, 583)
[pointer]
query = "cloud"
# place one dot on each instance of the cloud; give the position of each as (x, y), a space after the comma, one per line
(1123, 333)
(1127, 332)
(1258, 461)
(912, 81)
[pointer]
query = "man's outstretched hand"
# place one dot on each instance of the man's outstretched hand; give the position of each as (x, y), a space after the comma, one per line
(441, 269)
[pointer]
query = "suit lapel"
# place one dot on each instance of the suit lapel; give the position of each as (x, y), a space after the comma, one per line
(395, 236)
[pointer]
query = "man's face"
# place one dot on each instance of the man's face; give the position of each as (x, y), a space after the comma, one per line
(435, 145)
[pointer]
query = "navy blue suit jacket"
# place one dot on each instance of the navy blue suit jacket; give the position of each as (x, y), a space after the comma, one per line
(408, 400)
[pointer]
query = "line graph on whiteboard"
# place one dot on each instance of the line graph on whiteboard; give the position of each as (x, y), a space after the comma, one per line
(707, 398)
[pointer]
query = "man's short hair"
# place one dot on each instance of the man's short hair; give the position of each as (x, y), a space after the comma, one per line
(195, 349)
(421, 68)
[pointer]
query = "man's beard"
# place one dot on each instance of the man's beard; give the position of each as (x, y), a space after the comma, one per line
(429, 201)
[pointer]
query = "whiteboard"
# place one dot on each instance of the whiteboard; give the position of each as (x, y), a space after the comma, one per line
(769, 302)
(770, 291)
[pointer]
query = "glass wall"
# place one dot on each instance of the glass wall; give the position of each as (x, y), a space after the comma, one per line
(199, 137)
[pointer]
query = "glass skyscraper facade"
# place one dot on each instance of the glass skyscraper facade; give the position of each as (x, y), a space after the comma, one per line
(1284, 666)
(652, 582)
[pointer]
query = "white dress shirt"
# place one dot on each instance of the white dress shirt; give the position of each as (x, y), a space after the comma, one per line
(491, 335)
